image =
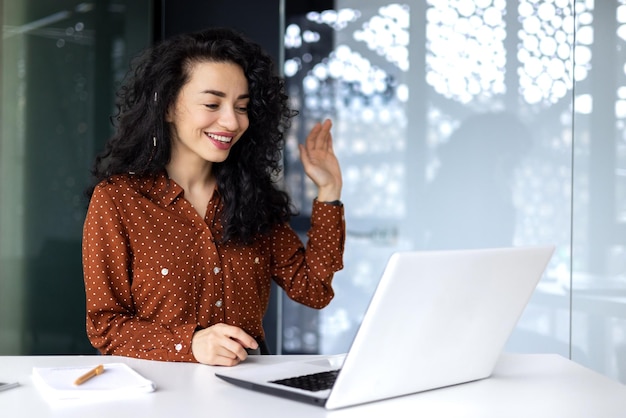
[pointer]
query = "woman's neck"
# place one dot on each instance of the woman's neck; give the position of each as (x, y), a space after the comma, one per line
(197, 180)
(190, 173)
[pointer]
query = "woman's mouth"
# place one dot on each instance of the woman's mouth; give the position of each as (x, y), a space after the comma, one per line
(221, 138)
(221, 142)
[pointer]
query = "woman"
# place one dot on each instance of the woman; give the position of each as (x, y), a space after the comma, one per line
(185, 227)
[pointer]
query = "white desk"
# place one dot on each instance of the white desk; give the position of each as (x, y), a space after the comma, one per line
(523, 385)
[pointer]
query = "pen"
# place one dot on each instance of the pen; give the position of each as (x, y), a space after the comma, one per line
(7, 386)
(91, 373)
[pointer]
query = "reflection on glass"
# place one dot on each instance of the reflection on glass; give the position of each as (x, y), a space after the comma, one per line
(457, 126)
(466, 54)
(59, 63)
(469, 202)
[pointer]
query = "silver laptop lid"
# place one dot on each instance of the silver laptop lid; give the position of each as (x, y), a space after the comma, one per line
(437, 318)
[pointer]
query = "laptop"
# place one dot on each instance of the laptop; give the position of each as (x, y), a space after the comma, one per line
(436, 319)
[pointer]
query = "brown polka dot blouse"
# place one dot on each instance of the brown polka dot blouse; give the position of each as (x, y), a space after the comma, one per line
(155, 271)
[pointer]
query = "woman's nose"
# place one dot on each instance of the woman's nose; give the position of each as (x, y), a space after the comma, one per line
(228, 119)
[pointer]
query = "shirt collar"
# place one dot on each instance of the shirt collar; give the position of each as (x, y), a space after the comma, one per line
(161, 188)
(167, 190)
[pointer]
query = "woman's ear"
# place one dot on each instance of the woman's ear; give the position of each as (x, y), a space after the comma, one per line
(169, 117)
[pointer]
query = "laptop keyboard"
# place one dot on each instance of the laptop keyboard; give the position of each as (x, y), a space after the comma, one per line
(311, 382)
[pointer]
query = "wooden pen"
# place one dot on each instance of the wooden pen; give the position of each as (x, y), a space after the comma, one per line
(91, 373)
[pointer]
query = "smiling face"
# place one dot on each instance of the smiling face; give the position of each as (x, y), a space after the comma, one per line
(210, 113)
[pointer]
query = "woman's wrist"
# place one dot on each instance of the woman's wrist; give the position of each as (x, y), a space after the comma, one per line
(328, 195)
(335, 202)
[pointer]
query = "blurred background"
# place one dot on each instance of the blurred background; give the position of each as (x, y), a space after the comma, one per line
(458, 124)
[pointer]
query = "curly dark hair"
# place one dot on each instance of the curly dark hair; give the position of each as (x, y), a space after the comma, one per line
(252, 200)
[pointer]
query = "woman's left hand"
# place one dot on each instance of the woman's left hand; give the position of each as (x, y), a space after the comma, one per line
(320, 162)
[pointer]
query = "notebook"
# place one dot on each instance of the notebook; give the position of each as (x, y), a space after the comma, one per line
(119, 381)
(436, 319)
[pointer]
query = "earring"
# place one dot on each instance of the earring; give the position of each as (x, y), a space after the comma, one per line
(155, 96)
(154, 141)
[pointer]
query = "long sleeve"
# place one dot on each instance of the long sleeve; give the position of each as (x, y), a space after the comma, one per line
(306, 273)
(113, 325)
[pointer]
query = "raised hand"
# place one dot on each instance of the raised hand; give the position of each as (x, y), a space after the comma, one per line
(320, 162)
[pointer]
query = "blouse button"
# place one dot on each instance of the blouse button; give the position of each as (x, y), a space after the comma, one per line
(178, 347)
(219, 303)
(164, 271)
(216, 270)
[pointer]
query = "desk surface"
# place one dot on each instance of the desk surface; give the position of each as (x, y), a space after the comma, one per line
(523, 385)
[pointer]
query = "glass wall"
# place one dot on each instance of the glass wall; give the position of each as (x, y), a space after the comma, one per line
(60, 62)
(459, 124)
(469, 124)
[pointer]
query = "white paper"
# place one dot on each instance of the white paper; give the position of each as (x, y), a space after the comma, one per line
(56, 384)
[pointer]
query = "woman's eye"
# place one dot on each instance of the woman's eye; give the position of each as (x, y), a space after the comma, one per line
(211, 106)
(242, 109)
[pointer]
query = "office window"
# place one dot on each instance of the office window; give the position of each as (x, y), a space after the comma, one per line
(60, 63)
(464, 125)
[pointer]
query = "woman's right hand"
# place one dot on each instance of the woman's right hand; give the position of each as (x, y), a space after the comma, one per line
(221, 345)
(320, 163)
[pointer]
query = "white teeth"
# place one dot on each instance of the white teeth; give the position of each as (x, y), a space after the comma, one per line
(220, 138)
